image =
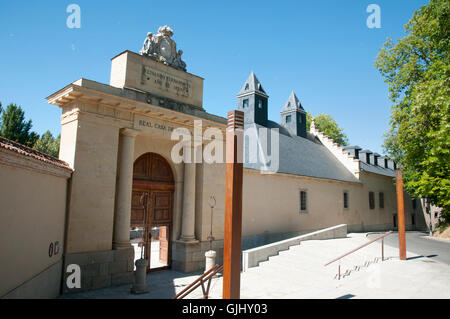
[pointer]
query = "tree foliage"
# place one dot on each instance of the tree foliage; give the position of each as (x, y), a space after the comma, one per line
(391, 145)
(48, 144)
(417, 70)
(328, 126)
(308, 121)
(14, 126)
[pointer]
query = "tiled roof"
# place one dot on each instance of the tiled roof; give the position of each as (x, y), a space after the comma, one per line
(377, 169)
(27, 151)
(297, 156)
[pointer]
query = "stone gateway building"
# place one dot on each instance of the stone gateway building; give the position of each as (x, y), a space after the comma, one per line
(129, 195)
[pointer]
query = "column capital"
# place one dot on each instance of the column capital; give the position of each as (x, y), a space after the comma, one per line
(129, 132)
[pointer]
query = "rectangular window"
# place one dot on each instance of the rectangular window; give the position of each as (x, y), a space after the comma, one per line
(345, 200)
(303, 201)
(413, 219)
(260, 104)
(245, 103)
(288, 119)
(381, 199)
(414, 203)
(371, 200)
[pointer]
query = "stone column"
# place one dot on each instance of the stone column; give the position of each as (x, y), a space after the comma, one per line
(188, 219)
(122, 215)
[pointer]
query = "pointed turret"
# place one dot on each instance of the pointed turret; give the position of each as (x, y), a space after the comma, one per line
(252, 85)
(293, 116)
(292, 104)
(253, 101)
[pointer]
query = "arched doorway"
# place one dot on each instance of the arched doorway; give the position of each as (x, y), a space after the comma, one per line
(152, 210)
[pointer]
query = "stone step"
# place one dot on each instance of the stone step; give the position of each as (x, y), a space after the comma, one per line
(300, 272)
(319, 250)
(307, 260)
(305, 256)
(303, 265)
(289, 267)
(347, 263)
(284, 266)
(333, 253)
(281, 274)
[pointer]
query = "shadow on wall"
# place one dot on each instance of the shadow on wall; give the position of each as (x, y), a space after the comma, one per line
(266, 238)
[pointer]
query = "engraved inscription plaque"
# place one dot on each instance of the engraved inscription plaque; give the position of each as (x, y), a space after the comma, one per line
(165, 81)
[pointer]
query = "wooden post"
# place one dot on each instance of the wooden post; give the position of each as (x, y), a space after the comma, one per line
(233, 206)
(400, 215)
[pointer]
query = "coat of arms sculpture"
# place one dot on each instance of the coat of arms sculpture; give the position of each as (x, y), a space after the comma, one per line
(162, 48)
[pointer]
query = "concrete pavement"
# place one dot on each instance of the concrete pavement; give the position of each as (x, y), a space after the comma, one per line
(422, 244)
(300, 273)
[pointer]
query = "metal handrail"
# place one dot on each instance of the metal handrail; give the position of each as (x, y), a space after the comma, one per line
(359, 247)
(207, 276)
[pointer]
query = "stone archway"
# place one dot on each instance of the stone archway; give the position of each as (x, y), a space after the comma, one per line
(152, 208)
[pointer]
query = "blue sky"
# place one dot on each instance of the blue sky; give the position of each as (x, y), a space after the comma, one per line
(322, 50)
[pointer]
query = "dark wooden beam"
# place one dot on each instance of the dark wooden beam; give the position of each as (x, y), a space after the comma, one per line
(233, 206)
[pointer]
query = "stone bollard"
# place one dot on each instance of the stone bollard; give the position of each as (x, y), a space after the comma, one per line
(210, 259)
(140, 285)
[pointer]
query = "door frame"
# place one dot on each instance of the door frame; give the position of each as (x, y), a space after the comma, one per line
(149, 186)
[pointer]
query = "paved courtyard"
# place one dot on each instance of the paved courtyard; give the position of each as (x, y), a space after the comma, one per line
(300, 273)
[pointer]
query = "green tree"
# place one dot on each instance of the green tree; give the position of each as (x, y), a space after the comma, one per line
(14, 126)
(308, 121)
(391, 145)
(417, 71)
(328, 126)
(48, 144)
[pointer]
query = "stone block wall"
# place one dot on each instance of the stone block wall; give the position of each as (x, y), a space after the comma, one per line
(101, 269)
(190, 257)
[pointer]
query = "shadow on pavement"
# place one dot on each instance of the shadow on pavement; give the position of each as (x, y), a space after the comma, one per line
(348, 296)
(161, 284)
(421, 256)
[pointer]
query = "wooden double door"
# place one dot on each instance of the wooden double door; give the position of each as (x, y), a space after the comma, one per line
(152, 208)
